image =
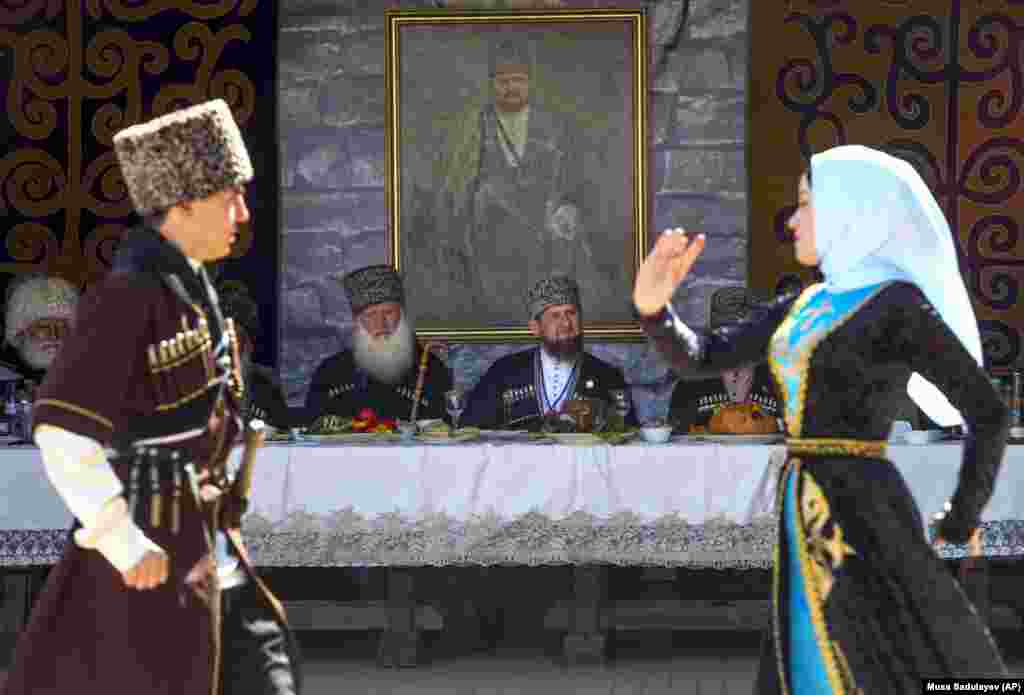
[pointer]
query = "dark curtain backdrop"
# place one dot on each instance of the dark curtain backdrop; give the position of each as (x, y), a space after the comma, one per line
(74, 72)
(937, 82)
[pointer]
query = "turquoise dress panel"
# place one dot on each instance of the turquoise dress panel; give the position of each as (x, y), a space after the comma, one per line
(806, 662)
(816, 314)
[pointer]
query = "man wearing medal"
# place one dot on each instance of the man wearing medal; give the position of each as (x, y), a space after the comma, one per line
(520, 390)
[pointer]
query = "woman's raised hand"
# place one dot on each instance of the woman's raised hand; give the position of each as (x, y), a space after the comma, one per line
(662, 271)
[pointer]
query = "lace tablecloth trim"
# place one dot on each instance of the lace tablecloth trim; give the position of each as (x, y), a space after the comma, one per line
(345, 538)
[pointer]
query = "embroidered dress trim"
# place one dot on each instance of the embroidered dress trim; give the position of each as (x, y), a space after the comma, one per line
(862, 448)
(816, 664)
(806, 325)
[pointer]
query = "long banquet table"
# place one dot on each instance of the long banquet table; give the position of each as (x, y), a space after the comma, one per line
(492, 502)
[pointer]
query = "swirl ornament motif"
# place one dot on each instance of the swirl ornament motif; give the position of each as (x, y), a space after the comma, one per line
(79, 71)
(939, 84)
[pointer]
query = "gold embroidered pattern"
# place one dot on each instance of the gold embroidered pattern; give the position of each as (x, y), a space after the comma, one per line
(864, 448)
(821, 550)
(77, 409)
(791, 363)
(781, 370)
(820, 555)
(825, 544)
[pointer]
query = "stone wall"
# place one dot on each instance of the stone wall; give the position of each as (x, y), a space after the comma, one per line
(332, 116)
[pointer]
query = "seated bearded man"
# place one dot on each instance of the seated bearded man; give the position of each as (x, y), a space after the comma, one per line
(380, 370)
(40, 313)
(521, 389)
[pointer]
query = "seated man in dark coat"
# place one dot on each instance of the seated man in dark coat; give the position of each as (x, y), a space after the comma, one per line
(694, 402)
(519, 390)
(265, 399)
(381, 368)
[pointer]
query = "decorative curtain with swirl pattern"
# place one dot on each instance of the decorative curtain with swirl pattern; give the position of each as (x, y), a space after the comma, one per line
(74, 72)
(937, 82)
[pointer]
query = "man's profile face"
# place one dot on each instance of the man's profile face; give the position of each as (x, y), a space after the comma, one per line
(380, 320)
(207, 228)
(511, 89)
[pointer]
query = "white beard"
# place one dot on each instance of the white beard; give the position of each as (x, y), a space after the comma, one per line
(38, 354)
(387, 359)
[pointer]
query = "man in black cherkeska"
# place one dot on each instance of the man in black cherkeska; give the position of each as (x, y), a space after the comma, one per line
(380, 370)
(519, 390)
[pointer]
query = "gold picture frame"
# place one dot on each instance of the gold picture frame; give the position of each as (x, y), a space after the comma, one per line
(507, 137)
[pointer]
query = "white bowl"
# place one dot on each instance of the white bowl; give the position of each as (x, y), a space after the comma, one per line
(922, 436)
(656, 435)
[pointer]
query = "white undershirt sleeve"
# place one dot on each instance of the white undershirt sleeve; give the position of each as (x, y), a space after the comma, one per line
(78, 469)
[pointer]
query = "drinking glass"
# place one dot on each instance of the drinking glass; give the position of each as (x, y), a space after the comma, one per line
(620, 403)
(455, 403)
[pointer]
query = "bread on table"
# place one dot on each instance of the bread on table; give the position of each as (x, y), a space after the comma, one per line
(742, 418)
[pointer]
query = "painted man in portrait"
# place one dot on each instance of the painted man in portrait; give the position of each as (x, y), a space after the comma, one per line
(511, 191)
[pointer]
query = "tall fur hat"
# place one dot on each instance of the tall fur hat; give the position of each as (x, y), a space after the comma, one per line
(182, 156)
(33, 297)
(373, 284)
(557, 289)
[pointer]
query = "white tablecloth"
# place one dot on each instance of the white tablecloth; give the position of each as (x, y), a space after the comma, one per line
(486, 503)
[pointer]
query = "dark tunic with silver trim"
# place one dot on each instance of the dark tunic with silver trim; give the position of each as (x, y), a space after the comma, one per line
(511, 392)
(89, 633)
(340, 387)
(695, 402)
(862, 602)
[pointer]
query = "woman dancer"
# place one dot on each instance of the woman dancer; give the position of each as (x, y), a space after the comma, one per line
(862, 604)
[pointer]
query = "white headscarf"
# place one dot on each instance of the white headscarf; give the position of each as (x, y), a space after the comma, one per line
(876, 221)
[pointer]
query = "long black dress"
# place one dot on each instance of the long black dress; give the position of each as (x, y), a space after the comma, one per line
(862, 604)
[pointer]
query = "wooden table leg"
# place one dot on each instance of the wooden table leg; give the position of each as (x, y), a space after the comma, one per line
(15, 604)
(399, 644)
(586, 639)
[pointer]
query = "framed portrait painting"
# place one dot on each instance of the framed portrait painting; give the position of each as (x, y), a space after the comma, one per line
(516, 150)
